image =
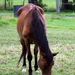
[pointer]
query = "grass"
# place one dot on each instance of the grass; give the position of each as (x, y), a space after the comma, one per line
(63, 23)
(60, 34)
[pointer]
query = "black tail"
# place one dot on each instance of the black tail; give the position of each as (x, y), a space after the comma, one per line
(22, 55)
(40, 35)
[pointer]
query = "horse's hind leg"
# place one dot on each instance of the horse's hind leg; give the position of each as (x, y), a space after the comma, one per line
(29, 56)
(24, 50)
(35, 55)
(30, 59)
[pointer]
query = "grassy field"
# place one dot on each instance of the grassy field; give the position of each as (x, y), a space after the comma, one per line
(61, 38)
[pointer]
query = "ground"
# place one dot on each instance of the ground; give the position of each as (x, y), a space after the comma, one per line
(61, 38)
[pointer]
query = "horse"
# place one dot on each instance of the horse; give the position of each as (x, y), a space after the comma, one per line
(31, 28)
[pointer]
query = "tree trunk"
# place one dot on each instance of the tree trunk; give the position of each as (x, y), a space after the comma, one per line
(23, 2)
(5, 4)
(64, 4)
(33, 1)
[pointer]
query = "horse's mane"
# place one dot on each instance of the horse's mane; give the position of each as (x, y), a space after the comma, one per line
(40, 35)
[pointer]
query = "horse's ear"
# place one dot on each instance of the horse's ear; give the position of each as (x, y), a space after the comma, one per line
(19, 11)
(54, 54)
(42, 55)
(40, 9)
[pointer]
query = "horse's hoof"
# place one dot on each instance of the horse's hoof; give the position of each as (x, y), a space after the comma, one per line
(24, 69)
(37, 71)
(30, 73)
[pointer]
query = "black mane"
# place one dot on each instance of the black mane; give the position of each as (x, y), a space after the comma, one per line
(40, 35)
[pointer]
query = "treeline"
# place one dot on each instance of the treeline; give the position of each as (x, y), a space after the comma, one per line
(66, 4)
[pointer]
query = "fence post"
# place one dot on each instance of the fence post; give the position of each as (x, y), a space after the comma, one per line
(58, 6)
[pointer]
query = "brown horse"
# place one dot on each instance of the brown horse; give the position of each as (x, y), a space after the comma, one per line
(32, 30)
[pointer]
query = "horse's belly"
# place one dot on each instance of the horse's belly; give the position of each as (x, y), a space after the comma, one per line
(31, 39)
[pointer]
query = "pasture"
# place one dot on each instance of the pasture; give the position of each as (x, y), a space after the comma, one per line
(61, 38)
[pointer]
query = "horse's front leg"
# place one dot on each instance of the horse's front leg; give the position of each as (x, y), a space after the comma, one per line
(35, 56)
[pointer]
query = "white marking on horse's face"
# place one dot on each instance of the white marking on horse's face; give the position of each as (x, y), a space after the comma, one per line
(24, 69)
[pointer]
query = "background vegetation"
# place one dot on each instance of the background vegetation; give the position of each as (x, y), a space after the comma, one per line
(49, 4)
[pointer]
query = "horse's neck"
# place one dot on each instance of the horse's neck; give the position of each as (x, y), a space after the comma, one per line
(44, 48)
(43, 44)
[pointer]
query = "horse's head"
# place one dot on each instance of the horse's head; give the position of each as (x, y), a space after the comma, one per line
(44, 65)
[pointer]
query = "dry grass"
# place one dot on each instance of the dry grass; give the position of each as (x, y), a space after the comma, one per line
(60, 40)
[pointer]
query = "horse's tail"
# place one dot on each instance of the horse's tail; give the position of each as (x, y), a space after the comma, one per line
(22, 55)
(40, 35)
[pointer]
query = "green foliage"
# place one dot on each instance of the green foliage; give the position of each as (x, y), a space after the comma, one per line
(60, 21)
(7, 21)
(4, 22)
(41, 4)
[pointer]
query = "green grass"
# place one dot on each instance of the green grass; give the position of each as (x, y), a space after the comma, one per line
(61, 38)
(50, 4)
(60, 22)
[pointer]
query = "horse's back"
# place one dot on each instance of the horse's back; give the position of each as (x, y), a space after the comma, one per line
(24, 20)
(25, 9)
(22, 13)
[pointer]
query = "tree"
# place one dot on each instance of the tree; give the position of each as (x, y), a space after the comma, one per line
(23, 2)
(64, 4)
(8, 3)
(4, 4)
(33, 1)
(73, 0)
(37, 2)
